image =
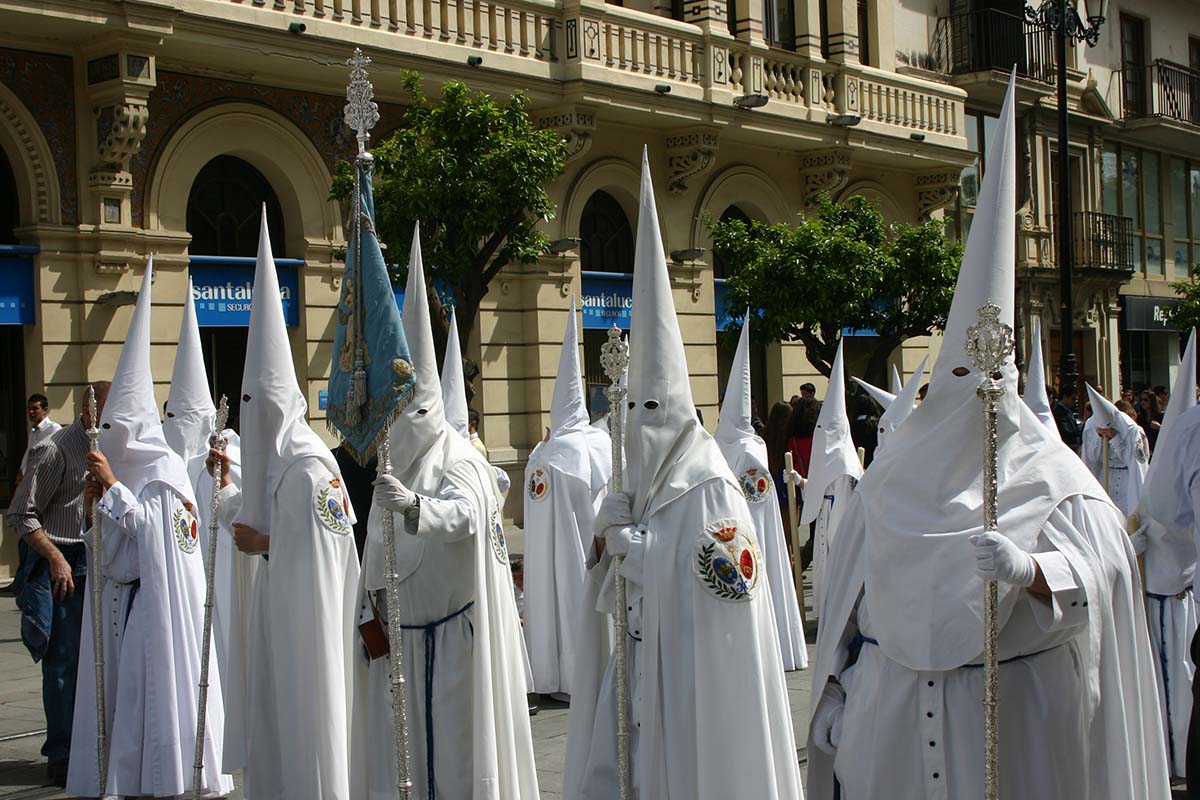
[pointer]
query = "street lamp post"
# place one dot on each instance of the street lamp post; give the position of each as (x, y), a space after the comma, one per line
(1062, 17)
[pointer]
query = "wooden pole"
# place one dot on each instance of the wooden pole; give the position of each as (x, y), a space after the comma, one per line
(794, 534)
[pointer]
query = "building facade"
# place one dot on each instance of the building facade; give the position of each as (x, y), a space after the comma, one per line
(131, 127)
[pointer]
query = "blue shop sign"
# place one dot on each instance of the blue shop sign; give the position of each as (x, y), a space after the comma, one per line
(607, 300)
(223, 290)
(16, 290)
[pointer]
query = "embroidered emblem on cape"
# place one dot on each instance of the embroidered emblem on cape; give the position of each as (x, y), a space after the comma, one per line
(539, 485)
(496, 537)
(1139, 451)
(187, 530)
(331, 506)
(727, 561)
(755, 484)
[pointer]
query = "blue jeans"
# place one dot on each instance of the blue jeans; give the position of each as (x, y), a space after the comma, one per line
(61, 661)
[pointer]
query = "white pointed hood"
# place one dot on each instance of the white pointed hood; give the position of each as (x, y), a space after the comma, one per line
(921, 518)
(833, 452)
(902, 407)
(1036, 396)
(1166, 464)
(734, 426)
(190, 410)
(131, 435)
(882, 397)
(454, 386)
(1107, 415)
(897, 382)
(419, 436)
(274, 431)
(574, 447)
(667, 450)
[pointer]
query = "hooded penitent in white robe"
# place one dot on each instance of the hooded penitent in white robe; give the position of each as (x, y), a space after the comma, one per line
(903, 627)
(832, 476)
(1036, 396)
(465, 687)
(898, 408)
(565, 480)
(188, 427)
(746, 455)
(1128, 452)
(153, 603)
(709, 704)
(1170, 568)
(302, 641)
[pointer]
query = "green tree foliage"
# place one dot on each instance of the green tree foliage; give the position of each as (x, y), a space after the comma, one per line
(473, 170)
(843, 267)
(1187, 314)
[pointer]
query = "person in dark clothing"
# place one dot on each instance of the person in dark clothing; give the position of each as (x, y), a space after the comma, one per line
(864, 426)
(360, 484)
(1069, 427)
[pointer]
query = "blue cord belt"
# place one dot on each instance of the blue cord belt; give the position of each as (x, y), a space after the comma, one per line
(430, 656)
(859, 640)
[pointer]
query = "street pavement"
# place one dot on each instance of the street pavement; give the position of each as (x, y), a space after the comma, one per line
(22, 769)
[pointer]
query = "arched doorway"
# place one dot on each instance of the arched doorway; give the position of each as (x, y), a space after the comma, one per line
(726, 343)
(14, 269)
(605, 246)
(224, 211)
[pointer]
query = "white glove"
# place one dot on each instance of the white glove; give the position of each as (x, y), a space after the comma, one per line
(615, 512)
(796, 478)
(826, 731)
(1139, 541)
(998, 559)
(393, 495)
(618, 539)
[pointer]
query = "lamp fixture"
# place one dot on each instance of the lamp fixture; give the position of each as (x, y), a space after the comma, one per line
(748, 101)
(662, 88)
(917, 137)
(124, 297)
(297, 27)
(845, 120)
(689, 254)
(474, 61)
(560, 246)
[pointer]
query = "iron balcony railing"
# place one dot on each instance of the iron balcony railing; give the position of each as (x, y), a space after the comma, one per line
(993, 40)
(1161, 89)
(1102, 241)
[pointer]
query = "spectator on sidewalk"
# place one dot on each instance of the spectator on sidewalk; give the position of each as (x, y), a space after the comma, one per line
(48, 513)
(41, 427)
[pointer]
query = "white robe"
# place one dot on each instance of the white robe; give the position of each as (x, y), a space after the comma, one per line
(154, 611)
(232, 587)
(302, 641)
(455, 579)
(709, 702)
(1078, 703)
(833, 508)
(1128, 457)
(559, 511)
(759, 490)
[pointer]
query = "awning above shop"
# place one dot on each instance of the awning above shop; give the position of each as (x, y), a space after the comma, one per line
(1149, 313)
(16, 285)
(607, 300)
(223, 289)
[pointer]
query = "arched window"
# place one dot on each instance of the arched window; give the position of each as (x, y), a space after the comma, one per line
(10, 209)
(224, 208)
(720, 268)
(606, 238)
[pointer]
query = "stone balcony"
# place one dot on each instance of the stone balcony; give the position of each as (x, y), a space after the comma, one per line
(561, 52)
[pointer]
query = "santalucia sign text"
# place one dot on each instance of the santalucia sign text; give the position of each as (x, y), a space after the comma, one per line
(224, 293)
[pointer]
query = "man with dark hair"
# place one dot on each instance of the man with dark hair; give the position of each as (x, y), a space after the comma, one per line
(1064, 416)
(473, 427)
(808, 390)
(48, 512)
(41, 427)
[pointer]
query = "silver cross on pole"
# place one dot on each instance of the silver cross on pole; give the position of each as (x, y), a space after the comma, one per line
(989, 344)
(361, 112)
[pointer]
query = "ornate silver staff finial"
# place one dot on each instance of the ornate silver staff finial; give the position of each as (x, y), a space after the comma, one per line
(989, 344)
(362, 112)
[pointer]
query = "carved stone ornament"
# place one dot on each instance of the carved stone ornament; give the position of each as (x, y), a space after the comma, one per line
(574, 124)
(689, 154)
(824, 172)
(935, 190)
(120, 130)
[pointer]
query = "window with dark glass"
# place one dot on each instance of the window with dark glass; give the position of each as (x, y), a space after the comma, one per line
(1133, 65)
(781, 23)
(1131, 186)
(606, 238)
(720, 267)
(10, 209)
(731, 8)
(864, 33)
(823, 14)
(225, 207)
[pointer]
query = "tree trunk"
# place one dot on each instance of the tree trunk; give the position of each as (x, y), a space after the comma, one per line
(877, 371)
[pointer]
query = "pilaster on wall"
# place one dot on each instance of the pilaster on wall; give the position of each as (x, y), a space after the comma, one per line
(118, 80)
(843, 31)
